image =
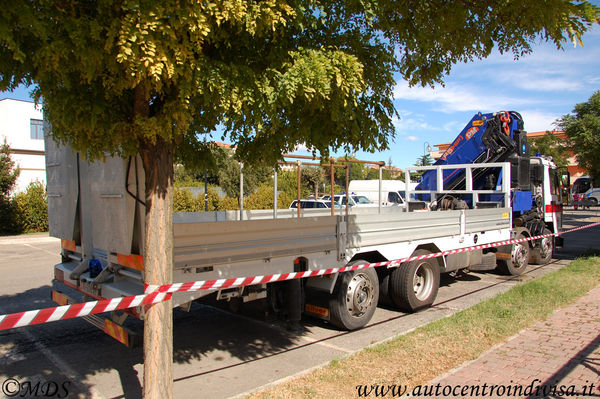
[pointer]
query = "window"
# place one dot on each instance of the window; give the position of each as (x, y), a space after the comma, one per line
(37, 129)
(393, 197)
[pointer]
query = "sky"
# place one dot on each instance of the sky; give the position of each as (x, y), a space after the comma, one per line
(541, 86)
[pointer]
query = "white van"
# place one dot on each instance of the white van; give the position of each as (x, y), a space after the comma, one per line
(393, 192)
(584, 190)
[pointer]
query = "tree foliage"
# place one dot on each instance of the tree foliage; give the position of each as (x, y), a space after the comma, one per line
(551, 145)
(228, 174)
(272, 73)
(582, 127)
(8, 171)
(424, 160)
(373, 174)
(8, 177)
(357, 171)
(31, 209)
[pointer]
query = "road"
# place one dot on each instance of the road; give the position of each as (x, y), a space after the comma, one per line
(217, 354)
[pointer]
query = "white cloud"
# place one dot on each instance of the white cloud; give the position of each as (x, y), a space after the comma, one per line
(536, 121)
(411, 125)
(594, 81)
(302, 148)
(412, 138)
(452, 98)
(541, 81)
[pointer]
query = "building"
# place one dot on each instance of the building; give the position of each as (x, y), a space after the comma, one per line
(573, 167)
(21, 125)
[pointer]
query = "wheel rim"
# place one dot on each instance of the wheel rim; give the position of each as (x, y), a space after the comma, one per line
(519, 256)
(423, 281)
(546, 247)
(360, 295)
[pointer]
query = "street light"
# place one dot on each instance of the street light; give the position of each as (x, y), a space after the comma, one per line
(426, 149)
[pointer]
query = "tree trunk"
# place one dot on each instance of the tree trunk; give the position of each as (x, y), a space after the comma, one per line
(158, 268)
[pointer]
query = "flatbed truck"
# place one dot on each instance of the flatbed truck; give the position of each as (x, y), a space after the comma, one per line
(94, 209)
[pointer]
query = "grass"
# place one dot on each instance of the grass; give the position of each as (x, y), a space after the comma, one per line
(438, 347)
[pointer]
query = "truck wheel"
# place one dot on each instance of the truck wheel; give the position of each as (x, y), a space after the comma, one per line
(542, 254)
(519, 258)
(354, 298)
(384, 287)
(414, 285)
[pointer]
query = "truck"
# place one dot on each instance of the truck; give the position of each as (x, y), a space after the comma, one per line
(393, 192)
(94, 208)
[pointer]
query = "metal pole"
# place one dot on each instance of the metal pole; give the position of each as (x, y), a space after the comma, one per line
(298, 185)
(275, 194)
(205, 192)
(332, 181)
(241, 191)
(407, 189)
(347, 184)
(380, 184)
(205, 185)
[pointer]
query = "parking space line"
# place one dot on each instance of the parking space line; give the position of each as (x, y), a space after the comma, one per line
(74, 377)
(41, 249)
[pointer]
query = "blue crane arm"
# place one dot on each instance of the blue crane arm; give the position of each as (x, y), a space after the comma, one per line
(491, 137)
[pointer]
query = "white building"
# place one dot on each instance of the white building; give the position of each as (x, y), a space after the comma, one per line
(21, 124)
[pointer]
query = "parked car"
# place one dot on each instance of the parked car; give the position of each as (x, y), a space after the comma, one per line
(312, 204)
(355, 200)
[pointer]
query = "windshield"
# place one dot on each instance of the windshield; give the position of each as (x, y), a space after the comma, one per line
(361, 199)
(581, 185)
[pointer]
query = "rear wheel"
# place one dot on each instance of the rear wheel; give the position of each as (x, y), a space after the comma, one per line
(542, 254)
(354, 298)
(516, 263)
(414, 285)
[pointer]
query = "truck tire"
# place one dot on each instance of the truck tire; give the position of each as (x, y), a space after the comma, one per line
(384, 287)
(414, 285)
(542, 254)
(518, 260)
(354, 298)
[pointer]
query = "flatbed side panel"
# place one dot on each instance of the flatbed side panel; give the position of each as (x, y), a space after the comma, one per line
(204, 244)
(368, 230)
(61, 176)
(111, 206)
(487, 219)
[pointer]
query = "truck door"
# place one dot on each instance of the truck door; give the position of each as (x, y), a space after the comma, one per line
(554, 206)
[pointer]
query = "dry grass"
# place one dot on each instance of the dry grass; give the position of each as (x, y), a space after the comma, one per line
(435, 349)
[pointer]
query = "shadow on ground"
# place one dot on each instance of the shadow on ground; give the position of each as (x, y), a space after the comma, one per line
(205, 333)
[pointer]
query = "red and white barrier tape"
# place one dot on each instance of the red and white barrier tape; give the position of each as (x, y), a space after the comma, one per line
(22, 319)
(155, 294)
